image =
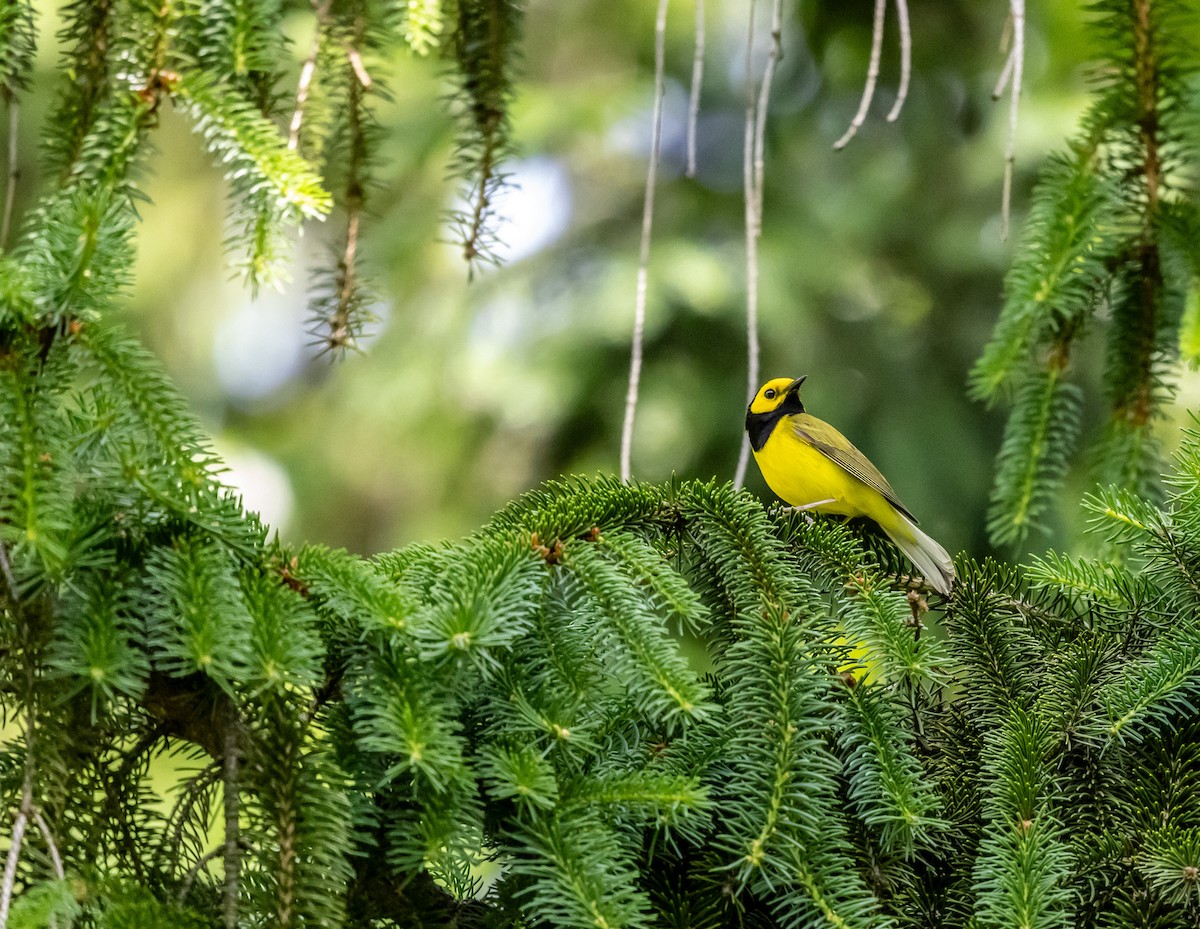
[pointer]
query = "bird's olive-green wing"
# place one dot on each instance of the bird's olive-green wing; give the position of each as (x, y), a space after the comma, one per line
(838, 449)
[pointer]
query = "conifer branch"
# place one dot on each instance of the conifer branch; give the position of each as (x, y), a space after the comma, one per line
(239, 135)
(339, 316)
(422, 24)
(342, 324)
(286, 829)
(1032, 462)
(88, 26)
(185, 886)
(639, 308)
(193, 795)
(1136, 404)
(232, 855)
(1023, 861)
(484, 44)
(14, 593)
(14, 171)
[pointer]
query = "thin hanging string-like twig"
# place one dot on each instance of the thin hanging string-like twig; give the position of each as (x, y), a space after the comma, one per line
(872, 76)
(307, 71)
(14, 846)
(694, 98)
(24, 812)
(753, 174)
(639, 310)
(1011, 77)
(752, 226)
(51, 846)
(1002, 81)
(905, 60)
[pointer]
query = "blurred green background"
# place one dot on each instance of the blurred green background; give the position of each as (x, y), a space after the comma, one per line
(881, 270)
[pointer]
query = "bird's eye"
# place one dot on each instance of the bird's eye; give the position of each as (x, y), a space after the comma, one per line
(769, 394)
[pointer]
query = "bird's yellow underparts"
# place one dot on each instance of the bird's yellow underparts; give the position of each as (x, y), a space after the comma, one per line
(812, 466)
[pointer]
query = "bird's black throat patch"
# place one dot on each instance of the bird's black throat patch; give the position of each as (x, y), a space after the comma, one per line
(760, 425)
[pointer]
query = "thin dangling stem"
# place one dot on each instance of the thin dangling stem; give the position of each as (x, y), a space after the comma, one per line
(872, 76)
(14, 846)
(694, 98)
(1013, 68)
(307, 72)
(639, 311)
(1002, 81)
(905, 60)
(51, 846)
(753, 173)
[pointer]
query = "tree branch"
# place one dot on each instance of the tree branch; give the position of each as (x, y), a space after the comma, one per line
(905, 60)
(694, 98)
(307, 72)
(51, 846)
(639, 309)
(14, 848)
(1011, 76)
(753, 176)
(868, 93)
(232, 851)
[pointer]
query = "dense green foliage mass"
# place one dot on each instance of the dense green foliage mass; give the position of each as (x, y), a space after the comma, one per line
(1111, 236)
(644, 704)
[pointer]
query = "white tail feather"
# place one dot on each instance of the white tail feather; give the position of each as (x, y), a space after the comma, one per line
(929, 558)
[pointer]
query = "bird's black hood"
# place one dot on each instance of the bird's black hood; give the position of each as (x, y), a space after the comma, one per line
(760, 425)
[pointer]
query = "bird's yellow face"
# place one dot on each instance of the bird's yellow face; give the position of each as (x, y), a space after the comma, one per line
(773, 393)
(777, 398)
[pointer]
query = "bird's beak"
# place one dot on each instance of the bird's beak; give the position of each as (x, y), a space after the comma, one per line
(794, 385)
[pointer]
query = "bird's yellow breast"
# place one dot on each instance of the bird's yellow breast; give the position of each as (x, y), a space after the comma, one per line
(802, 476)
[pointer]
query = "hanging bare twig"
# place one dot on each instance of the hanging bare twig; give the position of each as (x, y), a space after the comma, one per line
(1011, 76)
(752, 225)
(1002, 81)
(872, 76)
(359, 67)
(14, 847)
(905, 60)
(753, 174)
(639, 310)
(307, 72)
(51, 846)
(694, 99)
(14, 169)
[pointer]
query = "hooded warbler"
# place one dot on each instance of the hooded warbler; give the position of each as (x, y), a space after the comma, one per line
(812, 466)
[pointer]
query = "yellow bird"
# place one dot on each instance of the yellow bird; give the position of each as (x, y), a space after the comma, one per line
(812, 466)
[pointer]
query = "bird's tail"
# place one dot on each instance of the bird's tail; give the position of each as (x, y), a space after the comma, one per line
(929, 558)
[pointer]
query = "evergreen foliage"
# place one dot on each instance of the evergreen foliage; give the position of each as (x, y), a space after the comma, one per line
(615, 704)
(1104, 247)
(506, 725)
